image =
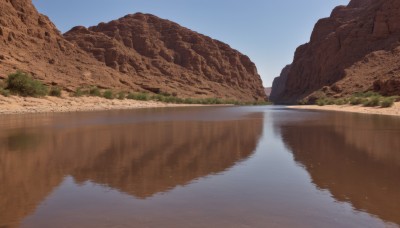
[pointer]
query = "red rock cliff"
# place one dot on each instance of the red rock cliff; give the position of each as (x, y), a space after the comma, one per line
(29, 41)
(159, 53)
(136, 53)
(356, 49)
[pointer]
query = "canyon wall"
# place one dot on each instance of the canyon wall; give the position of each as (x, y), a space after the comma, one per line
(356, 49)
(138, 52)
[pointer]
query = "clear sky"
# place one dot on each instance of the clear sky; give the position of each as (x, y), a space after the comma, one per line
(268, 31)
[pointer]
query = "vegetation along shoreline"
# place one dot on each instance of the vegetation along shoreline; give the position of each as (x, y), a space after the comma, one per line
(20, 94)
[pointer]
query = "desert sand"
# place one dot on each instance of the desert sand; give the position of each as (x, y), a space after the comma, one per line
(22, 105)
(392, 111)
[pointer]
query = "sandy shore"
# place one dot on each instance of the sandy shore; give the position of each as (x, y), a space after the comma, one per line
(21, 105)
(392, 111)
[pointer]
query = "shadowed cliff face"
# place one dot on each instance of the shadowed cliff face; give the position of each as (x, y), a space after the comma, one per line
(162, 54)
(355, 49)
(129, 154)
(355, 157)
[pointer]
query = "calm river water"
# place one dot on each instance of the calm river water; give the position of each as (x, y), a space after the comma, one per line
(200, 167)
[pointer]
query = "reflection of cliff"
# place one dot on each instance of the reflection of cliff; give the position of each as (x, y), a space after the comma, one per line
(140, 159)
(156, 157)
(355, 157)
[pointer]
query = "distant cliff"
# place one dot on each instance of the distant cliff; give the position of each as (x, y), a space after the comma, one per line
(159, 53)
(354, 50)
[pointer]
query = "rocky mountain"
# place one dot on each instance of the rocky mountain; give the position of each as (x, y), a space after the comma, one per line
(29, 41)
(160, 54)
(137, 53)
(356, 49)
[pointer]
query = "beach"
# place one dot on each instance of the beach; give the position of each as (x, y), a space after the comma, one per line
(24, 105)
(392, 111)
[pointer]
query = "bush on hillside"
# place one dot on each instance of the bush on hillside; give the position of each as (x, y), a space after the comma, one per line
(372, 101)
(138, 96)
(94, 91)
(23, 84)
(108, 94)
(121, 95)
(55, 92)
(79, 92)
(387, 102)
(4, 92)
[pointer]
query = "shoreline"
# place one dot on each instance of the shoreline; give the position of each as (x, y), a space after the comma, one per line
(30, 105)
(391, 111)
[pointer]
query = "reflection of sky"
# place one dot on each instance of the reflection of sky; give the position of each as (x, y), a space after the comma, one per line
(268, 31)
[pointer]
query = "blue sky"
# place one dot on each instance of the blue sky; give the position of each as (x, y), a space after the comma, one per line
(268, 31)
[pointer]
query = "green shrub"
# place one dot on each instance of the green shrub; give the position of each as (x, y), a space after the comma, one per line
(24, 85)
(158, 97)
(174, 100)
(396, 98)
(55, 92)
(341, 101)
(121, 95)
(321, 102)
(108, 94)
(138, 96)
(356, 100)
(94, 91)
(387, 102)
(130, 96)
(189, 101)
(302, 102)
(366, 94)
(79, 92)
(165, 94)
(168, 98)
(5, 92)
(211, 101)
(372, 101)
(325, 101)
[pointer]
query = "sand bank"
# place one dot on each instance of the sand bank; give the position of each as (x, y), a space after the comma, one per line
(392, 111)
(21, 105)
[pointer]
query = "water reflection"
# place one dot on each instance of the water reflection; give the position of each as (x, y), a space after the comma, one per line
(129, 152)
(355, 157)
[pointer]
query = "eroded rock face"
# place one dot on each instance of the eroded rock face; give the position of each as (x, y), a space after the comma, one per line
(353, 49)
(136, 53)
(29, 41)
(278, 85)
(159, 53)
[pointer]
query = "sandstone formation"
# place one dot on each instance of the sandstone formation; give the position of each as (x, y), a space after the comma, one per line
(136, 53)
(278, 85)
(354, 50)
(158, 54)
(29, 41)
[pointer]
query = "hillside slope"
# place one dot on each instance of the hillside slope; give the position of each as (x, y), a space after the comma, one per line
(29, 41)
(161, 54)
(354, 50)
(136, 53)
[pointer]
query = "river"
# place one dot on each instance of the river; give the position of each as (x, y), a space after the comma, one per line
(200, 167)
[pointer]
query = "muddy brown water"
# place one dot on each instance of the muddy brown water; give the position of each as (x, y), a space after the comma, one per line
(200, 167)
